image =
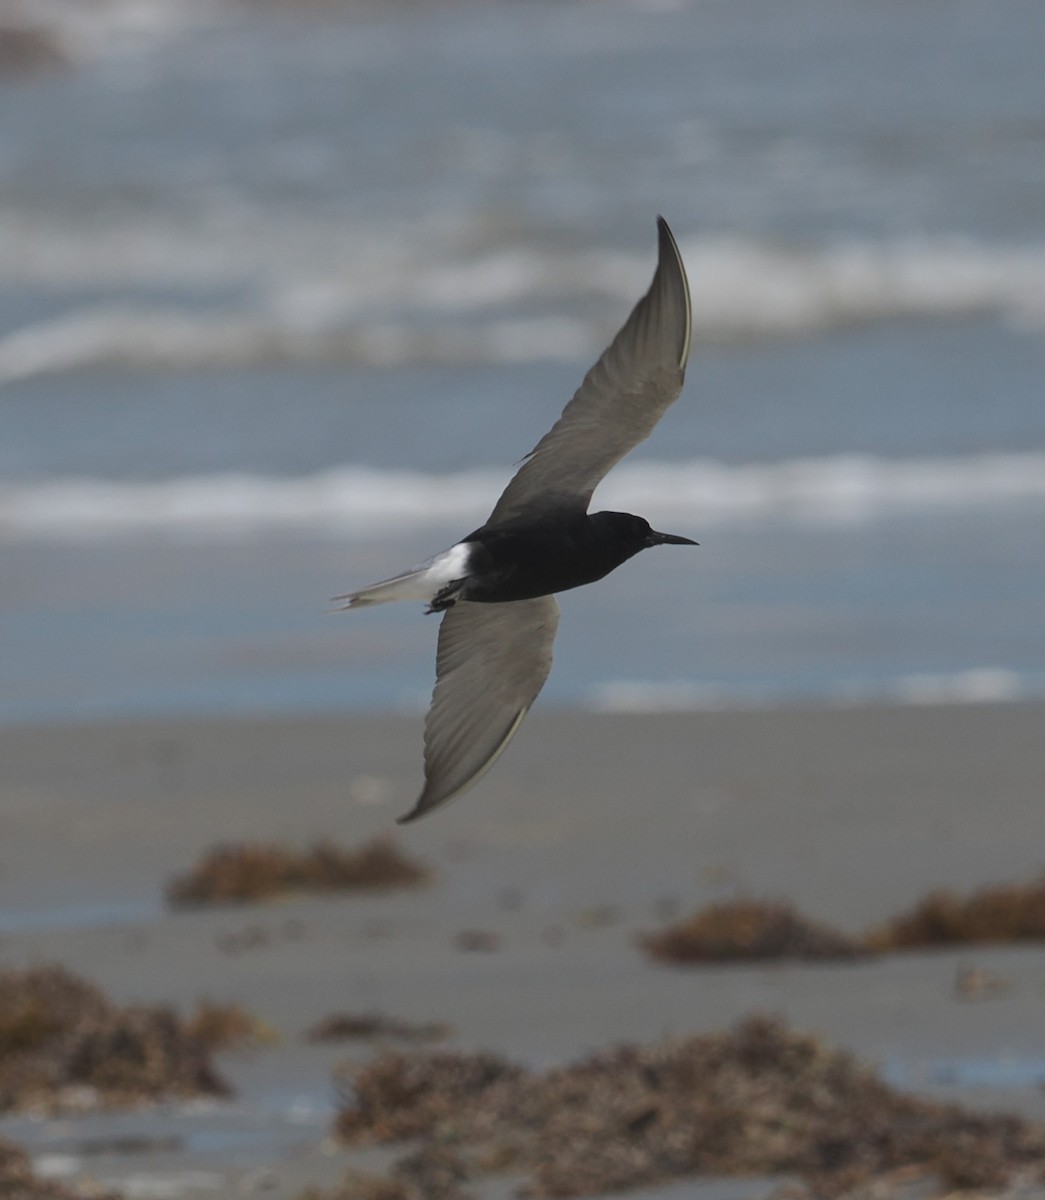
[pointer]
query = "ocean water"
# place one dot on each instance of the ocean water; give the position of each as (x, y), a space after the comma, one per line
(286, 289)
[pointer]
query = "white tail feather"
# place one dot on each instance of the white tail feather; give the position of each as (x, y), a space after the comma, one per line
(410, 586)
(420, 583)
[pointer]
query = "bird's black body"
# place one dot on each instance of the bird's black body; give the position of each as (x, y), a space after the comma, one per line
(520, 560)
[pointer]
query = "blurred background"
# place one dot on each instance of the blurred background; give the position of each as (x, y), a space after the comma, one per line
(285, 289)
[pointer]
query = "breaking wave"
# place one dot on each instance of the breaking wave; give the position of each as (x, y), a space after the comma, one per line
(358, 501)
(372, 301)
(977, 685)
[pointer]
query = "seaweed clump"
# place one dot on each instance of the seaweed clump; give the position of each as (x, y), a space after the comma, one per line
(229, 1027)
(740, 930)
(1004, 913)
(250, 871)
(760, 1099)
(64, 1045)
(748, 930)
(346, 1027)
(18, 1182)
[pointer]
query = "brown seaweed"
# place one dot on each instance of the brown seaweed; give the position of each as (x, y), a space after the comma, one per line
(251, 871)
(1002, 913)
(63, 1044)
(749, 930)
(759, 1100)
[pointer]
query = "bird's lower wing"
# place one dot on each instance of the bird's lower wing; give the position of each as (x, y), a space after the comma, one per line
(620, 401)
(492, 661)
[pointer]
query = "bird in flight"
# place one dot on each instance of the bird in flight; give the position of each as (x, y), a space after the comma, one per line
(495, 588)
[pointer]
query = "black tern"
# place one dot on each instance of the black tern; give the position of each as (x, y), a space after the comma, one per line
(495, 587)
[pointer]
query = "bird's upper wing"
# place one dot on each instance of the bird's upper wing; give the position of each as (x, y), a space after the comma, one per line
(492, 661)
(620, 401)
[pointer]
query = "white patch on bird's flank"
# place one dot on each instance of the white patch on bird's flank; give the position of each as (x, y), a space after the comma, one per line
(450, 565)
(423, 582)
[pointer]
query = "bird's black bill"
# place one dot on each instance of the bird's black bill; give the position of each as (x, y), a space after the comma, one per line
(669, 539)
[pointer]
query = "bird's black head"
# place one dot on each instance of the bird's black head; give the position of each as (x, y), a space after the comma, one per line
(635, 532)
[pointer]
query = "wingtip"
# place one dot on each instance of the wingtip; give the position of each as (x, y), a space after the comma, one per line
(669, 259)
(422, 807)
(664, 234)
(427, 803)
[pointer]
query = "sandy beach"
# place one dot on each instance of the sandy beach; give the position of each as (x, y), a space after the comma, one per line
(592, 830)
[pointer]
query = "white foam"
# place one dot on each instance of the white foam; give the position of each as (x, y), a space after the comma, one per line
(982, 685)
(359, 501)
(673, 695)
(352, 499)
(172, 339)
(837, 488)
(744, 288)
(322, 293)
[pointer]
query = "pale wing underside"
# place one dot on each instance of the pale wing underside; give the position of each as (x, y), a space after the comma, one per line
(617, 406)
(492, 661)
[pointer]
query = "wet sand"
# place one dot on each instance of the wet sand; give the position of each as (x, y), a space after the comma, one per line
(591, 830)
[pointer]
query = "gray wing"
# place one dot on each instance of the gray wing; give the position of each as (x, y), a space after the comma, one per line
(492, 661)
(620, 401)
